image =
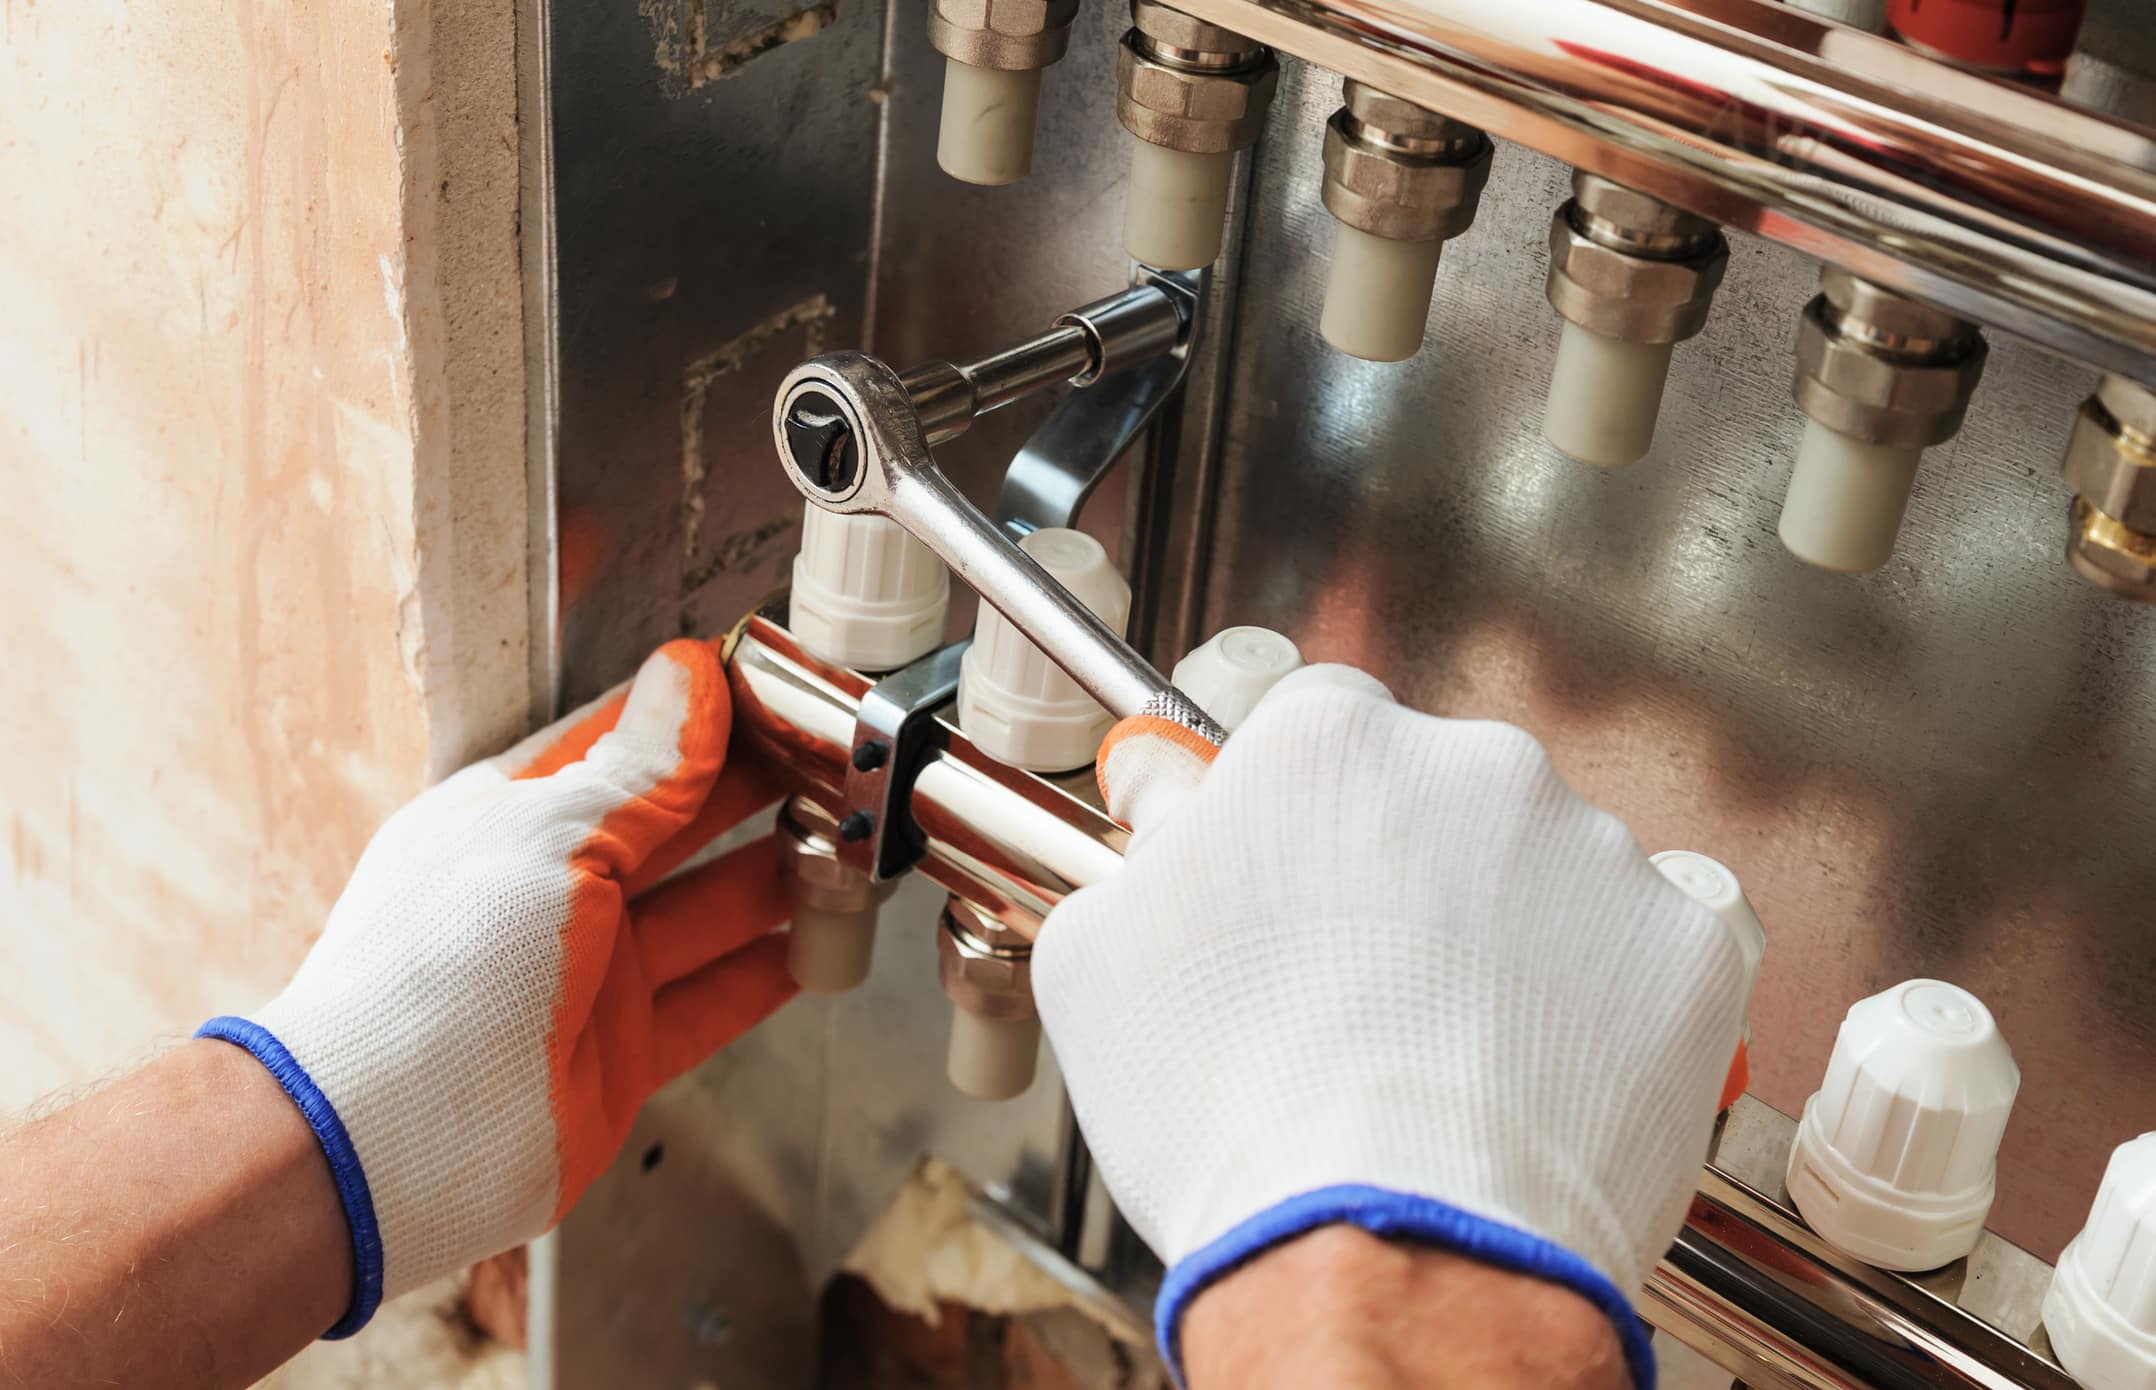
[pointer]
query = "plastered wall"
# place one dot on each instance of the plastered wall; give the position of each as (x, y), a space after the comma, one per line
(262, 548)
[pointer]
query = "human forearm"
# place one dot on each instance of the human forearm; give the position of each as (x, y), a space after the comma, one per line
(178, 1228)
(1340, 1307)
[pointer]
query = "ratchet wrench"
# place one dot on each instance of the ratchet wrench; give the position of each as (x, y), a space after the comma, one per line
(852, 440)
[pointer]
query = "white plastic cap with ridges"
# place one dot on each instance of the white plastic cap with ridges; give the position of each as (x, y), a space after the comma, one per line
(1015, 704)
(2101, 1308)
(1709, 882)
(1895, 1159)
(1229, 674)
(865, 593)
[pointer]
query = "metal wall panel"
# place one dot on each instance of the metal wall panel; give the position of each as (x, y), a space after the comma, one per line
(1945, 768)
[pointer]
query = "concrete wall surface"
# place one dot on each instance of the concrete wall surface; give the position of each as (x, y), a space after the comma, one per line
(262, 552)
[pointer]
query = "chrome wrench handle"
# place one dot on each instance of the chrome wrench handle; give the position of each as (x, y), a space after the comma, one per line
(851, 441)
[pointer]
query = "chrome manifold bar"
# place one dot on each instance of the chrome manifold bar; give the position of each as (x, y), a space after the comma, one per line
(1992, 201)
(1746, 1284)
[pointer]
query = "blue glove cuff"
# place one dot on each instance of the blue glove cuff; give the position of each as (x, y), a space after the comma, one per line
(337, 1147)
(1396, 1216)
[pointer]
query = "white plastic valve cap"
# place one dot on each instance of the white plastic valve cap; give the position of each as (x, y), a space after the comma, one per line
(865, 593)
(1013, 702)
(1231, 673)
(1895, 1159)
(1710, 883)
(2101, 1308)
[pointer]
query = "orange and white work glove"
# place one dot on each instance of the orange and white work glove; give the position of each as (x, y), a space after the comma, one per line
(1388, 970)
(505, 980)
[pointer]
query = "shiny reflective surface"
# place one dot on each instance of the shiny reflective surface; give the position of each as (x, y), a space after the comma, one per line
(1988, 199)
(1945, 768)
(1745, 1284)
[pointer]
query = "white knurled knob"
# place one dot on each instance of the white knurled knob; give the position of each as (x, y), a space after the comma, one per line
(865, 593)
(1230, 673)
(2101, 1308)
(1013, 702)
(1895, 1159)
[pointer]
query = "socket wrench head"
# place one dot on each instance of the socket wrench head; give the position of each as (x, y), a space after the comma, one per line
(839, 421)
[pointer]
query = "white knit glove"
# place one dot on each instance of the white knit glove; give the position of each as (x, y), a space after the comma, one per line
(496, 992)
(1387, 969)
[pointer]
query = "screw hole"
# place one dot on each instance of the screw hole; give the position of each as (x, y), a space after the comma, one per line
(652, 1157)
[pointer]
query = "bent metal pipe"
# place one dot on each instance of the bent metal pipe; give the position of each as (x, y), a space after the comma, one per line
(1745, 1284)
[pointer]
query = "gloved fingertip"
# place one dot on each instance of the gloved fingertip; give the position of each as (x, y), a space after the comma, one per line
(1330, 675)
(675, 721)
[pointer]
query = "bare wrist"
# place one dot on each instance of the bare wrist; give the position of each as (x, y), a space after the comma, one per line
(1340, 1306)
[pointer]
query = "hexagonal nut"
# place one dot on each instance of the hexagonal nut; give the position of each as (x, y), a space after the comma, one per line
(1852, 387)
(2112, 465)
(1399, 117)
(2130, 403)
(1622, 294)
(988, 980)
(1889, 318)
(1172, 29)
(1013, 35)
(1393, 195)
(2111, 555)
(1197, 112)
(1635, 215)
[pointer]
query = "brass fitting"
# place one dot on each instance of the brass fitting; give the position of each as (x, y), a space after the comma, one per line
(1396, 170)
(1007, 35)
(1625, 265)
(2111, 465)
(996, 50)
(1401, 180)
(1184, 84)
(833, 938)
(1191, 94)
(987, 972)
(1881, 369)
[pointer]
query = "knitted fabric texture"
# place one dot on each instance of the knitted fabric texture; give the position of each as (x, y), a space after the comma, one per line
(1383, 950)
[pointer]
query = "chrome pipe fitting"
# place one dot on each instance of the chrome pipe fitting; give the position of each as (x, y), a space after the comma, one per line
(996, 50)
(1883, 378)
(1401, 181)
(986, 971)
(833, 937)
(1633, 277)
(1191, 94)
(2111, 465)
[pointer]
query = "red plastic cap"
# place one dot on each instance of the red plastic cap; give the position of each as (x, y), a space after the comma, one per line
(1997, 35)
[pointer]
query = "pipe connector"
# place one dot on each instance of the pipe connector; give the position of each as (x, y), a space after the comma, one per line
(996, 50)
(1402, 181)
(2111, 465)
(987, 973)
(1191, 94)
(833, 937)
(1633, 277)
(1882, 378)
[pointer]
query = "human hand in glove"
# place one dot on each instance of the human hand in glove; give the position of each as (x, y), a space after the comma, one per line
(1380, 1017)
(505, 980)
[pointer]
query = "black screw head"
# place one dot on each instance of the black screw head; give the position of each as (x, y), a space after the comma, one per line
(819, 435)
(871, 755)
(858, 825)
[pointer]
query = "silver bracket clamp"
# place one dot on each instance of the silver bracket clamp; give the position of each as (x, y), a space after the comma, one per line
(895, 733)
